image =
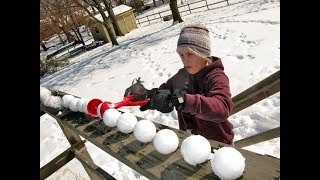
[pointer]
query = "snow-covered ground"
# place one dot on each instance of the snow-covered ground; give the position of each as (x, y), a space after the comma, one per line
(246, 36)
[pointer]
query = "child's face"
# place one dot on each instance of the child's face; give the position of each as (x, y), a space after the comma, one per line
(191, 62)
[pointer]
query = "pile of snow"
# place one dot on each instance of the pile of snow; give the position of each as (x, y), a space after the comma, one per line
(195, 149)
(48, 100)
(228, 163)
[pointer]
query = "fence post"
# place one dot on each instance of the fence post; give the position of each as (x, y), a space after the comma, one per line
(207, 4)
(189, 8)
(148, 19)
(138, 22)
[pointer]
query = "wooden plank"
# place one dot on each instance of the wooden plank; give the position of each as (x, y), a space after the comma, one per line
(143, 157)
(264, 136)
(59, 161)
(257, 92)
(92, 166)
(71, 135)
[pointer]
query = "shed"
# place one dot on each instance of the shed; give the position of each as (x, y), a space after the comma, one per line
(125, 18)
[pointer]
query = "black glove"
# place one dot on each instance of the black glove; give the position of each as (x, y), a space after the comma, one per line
(138, 90)
(178, 98)
(159, 100)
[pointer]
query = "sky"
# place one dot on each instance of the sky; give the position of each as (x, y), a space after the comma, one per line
(246, 36)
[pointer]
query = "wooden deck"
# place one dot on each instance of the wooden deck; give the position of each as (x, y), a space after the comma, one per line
(143, 157)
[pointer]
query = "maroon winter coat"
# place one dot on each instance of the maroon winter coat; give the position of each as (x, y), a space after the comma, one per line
(208, 101)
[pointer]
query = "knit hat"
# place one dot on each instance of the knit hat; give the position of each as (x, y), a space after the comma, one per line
(196, 37)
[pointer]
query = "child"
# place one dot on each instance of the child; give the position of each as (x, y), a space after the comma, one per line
(199, 91)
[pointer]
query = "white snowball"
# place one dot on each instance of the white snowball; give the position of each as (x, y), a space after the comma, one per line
(56, 102)
(66, 100)
(110, 117)
(166, 141)
(98, 110)
(73, 104)
(84, 106)
(44, 94)
(53, 102)
(228, 163)
(46, 101)
(195, 149)
(126, 122)
(145, 131)
(80, 105)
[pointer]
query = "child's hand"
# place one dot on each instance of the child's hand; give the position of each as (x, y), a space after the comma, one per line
(159, 100)
(178, 98)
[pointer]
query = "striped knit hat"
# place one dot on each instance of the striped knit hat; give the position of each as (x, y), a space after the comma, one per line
(196, 37)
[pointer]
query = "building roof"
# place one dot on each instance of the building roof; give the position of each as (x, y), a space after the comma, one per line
(117, 10)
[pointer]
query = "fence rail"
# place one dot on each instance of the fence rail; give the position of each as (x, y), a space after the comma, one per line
(157, 16)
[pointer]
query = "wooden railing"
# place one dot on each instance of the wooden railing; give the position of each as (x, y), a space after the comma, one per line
(182, 9)
(143, 157)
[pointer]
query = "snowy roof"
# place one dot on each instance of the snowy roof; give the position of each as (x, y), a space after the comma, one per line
(117, 10)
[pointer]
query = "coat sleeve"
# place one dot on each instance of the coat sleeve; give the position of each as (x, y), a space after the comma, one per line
(216, 105)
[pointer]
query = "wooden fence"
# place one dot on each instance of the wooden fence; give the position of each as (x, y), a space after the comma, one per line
(184, 9)
(143, 157)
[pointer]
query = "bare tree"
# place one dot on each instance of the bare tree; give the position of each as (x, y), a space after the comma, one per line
(55, 17)
(116, 27)
(105, 23)
(175, 11)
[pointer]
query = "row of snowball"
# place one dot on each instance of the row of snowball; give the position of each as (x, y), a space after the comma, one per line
(75, 104)
(227, 162)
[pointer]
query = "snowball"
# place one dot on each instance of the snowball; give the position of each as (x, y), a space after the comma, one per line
(98, 110)
(126, 122)
(44, 94)
(73, 104)
(228, 163)
(80, 105)
(56, 102)
(46, 101)
(110, 117)
(195, 149)
(66, 100)
(84, 106)
(166, 141)
(53, 102)
(145, 131)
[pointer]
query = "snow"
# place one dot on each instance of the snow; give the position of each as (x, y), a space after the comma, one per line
(228, 163)
(195, 149)
(116, 10)
(144, 131)
(166, 141)
(110, 117)
(246, 36)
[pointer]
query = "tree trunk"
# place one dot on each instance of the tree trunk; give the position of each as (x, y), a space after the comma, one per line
(113, 18)
(154, 3)
(68, 34)
(175, 11)
(106, 24)
(43, 46)
(60, 39)
(80, 36)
